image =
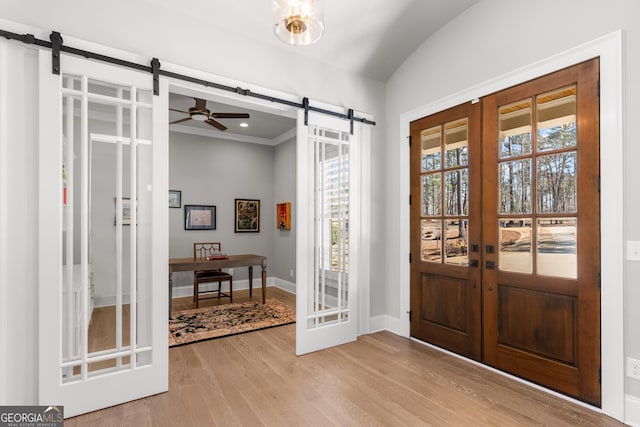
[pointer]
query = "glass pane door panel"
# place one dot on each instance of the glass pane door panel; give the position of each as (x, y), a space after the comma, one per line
(107, 176)
(457, 242)
(556, 119)
(455, 143)
(556, 247)
(515, 245)
(430, 242)
(515, 129)
(432, 194)
(557, 187)
(430, 141)
(328, 303)
(456, 189)
(515, 187)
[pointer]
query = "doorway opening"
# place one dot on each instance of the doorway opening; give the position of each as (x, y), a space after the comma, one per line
(248, 152)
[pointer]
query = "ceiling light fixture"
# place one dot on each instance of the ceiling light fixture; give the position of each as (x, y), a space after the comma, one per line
(244, 125)
(298, 22)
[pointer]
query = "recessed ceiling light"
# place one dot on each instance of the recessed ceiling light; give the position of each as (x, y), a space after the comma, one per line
(244, 125)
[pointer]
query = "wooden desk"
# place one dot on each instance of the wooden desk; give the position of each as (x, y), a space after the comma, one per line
(248, 260)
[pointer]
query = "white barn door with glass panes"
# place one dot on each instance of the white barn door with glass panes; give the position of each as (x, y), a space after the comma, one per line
(328, 233)
(103, 235)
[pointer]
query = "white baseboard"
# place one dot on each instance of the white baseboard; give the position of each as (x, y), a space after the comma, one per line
(106, 301)
(187, 291)
(632, 411)
(283, 284)
(385, 322)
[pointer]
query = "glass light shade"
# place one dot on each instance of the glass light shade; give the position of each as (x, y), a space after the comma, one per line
(199, 117)
(298, 22)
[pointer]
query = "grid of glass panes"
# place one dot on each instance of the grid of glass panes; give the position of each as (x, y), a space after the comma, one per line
(329, 301)
(106, 164)
(537, 170)
(444, 224)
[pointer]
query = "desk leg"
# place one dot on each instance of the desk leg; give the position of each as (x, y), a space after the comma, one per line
(264, 281)
(250, 281)
(170, 294)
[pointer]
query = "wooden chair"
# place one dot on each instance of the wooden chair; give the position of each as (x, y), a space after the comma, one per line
(202, 251)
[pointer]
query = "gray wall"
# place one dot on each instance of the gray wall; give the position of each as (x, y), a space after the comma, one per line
(284, 190)
(214, 171)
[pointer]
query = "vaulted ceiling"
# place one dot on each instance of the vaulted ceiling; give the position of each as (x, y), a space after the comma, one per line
(371, 38)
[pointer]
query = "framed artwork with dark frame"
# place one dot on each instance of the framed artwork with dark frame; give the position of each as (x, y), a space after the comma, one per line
(175, 198)
(247, 218)
(126, 211)
(199, 217)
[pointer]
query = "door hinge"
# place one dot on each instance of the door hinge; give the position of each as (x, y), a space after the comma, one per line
(598, 87)
(409, 140)
(599, 180)
(599, 279)
(410, 258)
(600, 376)
(410, 199)
(410, 315)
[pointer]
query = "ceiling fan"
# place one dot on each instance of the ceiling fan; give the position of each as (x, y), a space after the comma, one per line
(202, 114)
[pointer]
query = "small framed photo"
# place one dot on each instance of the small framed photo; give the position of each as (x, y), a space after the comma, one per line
(247, 218)
(199, 217)
(175, 198)
(126, 211)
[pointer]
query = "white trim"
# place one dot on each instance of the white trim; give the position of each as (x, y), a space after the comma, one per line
(632, 411)
(238, 285)
(385, 322)
(4, 219)
(609, 49)
(234, 136)
(364, 292)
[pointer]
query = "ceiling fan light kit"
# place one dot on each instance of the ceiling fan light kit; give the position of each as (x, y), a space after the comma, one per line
(201, 113)
(298, 22)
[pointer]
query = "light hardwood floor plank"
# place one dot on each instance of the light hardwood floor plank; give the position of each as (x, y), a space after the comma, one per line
(255, 379)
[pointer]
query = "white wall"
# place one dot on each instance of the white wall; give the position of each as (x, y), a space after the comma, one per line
(18, 225)
(491, 39)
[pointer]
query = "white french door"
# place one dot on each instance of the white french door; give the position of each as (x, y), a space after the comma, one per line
(329, 212)
(103, 235)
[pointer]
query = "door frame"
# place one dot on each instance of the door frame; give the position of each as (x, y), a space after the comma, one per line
(363, 301)
(609, 49)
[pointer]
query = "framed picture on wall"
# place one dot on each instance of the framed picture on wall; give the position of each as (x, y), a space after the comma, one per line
(247, 218)
(126, 211)
(283, 216)
(199, 217)
(175, 198)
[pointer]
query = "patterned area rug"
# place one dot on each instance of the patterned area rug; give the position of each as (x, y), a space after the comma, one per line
(199, 324)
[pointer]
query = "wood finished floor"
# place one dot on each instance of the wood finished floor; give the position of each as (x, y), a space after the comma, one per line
(255, 379)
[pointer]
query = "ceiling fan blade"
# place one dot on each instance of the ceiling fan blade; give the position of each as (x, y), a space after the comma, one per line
(178, 111)
(216, 124)
(230, 115)
(180, 121)
(201, 104)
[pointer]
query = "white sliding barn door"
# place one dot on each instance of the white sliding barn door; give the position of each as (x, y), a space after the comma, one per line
(328, 217)
(103, 235)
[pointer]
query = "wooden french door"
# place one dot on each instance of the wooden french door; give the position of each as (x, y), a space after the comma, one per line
(446, 227)
(538, 244)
